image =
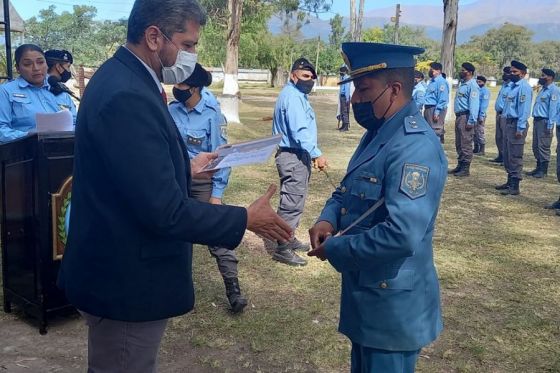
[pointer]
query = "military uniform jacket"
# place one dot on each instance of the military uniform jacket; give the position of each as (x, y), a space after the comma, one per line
(390, 292)
(132, 222)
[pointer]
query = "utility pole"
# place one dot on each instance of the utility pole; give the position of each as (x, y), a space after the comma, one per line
(396, 20)
(317, 58)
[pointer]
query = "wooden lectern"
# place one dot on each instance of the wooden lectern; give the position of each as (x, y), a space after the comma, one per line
(36, 174)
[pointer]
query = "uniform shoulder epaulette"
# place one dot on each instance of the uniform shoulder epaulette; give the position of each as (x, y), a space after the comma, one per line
(415, 124)
(210, 106)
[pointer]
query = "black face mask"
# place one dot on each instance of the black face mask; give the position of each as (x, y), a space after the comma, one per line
(182, 95)
(462, 76)
(481, 85)
(65, 76)
(365, 116)
(515, 78)
(431, 74)
(506, 77)
(305, 86)
(542, 81)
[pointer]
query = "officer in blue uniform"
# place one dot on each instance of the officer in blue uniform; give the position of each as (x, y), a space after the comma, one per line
(545, 116)
(28, 95)
(517, 110)
(203, 128)
(294, 118)
(500, 117)
(59, 62)
(344, 100)
(419, 92)
(479, 130)
(437, 98)
(467, 103)
(390, 302)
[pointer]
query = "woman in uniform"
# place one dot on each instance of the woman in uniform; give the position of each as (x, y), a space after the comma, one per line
(203, 128)
(28, 94)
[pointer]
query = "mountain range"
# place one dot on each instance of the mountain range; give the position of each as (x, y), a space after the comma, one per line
(542, 17)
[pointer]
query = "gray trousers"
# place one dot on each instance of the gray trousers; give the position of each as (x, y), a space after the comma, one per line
(542, 140)
(558, 153)
(513, 150)
(121, 346)
(480, 132)
(438, 126)
(499, 137)
(463, 139)
(294, 169)
(225, 258)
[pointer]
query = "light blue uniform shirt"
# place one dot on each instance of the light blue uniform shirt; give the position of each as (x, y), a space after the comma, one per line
(518, 103)
(467, 99)
(419, 94)
(437, 94)
(546, 105)
(20, 101)
(484, 94)
(501, 99)
(345, 88)
(294, 118)
(204, 129)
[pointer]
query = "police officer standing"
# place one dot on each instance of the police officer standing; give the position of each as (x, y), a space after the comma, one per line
(390, 305)
(500, 116)
(344, 100)
(479, 130)
(294, 118)
(545, 117)
(203, 128)
(517, 110)
(437, 98)
(467, 105)
(419, 91)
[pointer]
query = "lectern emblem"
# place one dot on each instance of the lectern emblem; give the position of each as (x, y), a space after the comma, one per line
(60, 203)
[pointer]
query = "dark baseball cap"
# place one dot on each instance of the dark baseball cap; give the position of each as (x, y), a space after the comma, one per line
(303, 64)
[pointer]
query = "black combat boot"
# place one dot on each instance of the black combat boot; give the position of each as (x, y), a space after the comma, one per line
(498, 159)
(236, 300)
(513, 189)
(456, 169)
(533, 172)
(542, 171)
(476, 148)
(442, 138)
(553, 206)
(464, 171)
(504, 186)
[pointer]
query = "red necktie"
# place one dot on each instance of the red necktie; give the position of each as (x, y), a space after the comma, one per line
(164, 96)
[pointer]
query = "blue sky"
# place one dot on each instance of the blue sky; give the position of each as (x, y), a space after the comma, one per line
(115, 9)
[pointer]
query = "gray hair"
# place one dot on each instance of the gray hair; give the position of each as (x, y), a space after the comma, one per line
(168, 15)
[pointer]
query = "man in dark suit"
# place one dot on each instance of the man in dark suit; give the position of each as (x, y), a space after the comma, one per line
(127, 265)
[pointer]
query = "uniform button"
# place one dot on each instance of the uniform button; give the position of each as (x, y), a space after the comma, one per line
(343, 211)
(343, 189)
(383, 285)
(373, 179)
(362, 195)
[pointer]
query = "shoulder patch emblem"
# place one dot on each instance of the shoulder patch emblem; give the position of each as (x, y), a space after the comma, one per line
(442, 88)
(223, 131)
(414, 182)
(474, 94)
(522, 98)
(486, 97)
(554, 98)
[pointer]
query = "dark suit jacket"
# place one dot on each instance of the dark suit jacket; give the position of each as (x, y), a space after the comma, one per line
(132, 223)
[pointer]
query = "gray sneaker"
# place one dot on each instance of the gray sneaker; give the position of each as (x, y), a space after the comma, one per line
(287, 256)
(296, 244)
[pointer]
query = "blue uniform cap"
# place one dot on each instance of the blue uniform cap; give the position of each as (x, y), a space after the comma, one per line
(365, 58)
(59, 56)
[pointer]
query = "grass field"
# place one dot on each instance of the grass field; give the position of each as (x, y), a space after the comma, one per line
(498, 260)
(497, 257)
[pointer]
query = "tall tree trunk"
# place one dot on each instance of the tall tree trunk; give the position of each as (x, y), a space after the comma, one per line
(230, 98)
(449, 40)
(359, 21)
(353, 20)
(450, 18)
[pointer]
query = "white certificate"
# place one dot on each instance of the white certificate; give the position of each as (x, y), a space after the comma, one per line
(244, 153)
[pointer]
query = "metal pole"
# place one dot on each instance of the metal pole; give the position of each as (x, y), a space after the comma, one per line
(8, 39)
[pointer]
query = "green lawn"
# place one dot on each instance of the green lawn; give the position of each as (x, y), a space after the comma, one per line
(497, 257)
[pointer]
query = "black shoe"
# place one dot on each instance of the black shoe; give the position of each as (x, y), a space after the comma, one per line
(542, 171)
(236, 300)
(513, 189)
(288, 256)
(558, 212)
(476, 149)
(456, 169)
(464, 171)
(535, 170)
(553, 206)
(481, 149)
(498, 159)
(504, 186)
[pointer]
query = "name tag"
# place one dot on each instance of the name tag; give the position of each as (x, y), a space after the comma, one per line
(20, 95)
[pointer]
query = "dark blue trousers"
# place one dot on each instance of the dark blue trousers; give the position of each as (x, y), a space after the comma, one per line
(372, 360)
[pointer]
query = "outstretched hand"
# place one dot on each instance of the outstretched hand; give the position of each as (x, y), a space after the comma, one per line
(262, 220)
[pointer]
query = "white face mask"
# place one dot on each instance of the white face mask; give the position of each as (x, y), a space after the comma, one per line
(182, 69)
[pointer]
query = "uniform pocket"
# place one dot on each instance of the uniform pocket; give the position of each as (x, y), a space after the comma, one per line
(196, 140)
(404, 280)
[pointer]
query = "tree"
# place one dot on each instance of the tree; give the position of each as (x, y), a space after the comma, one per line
(231, 87)
(337, 30)
(356, 20)
(449, 39)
